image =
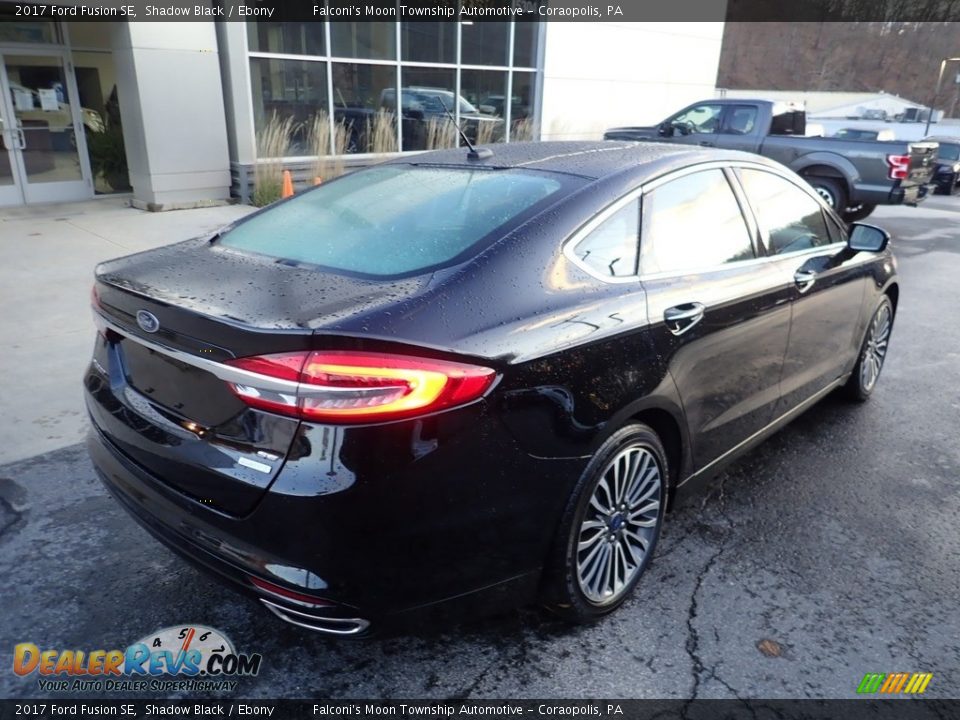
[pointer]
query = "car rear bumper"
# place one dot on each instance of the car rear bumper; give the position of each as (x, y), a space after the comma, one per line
(910, 194)
(462, 528)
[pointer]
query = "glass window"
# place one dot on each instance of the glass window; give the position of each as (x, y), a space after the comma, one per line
(691, 223)
(425, 92)
(287, 90)
(525, 35)
(13, 29)
(521, 109)
(395, 220)
(837, 232)
(791, 217)
(741, 120)
(949, 152)
(486, 90)
(429, 41)
(363, 102)
(484, 43)
(611, 248)
(702, 119)
(367, 40)
(294, 38)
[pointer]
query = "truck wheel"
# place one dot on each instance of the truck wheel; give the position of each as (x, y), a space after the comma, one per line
(832, 191)
(858, 214)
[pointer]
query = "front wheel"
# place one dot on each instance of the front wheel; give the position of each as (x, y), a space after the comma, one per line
(611, 526)
(873, 352)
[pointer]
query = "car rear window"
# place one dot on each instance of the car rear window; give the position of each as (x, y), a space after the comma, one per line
(396, 220)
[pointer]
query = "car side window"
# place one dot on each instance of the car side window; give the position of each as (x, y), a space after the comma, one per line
(837, 232)
(793, 220)
(610, 249)
(701, 119)
(691, 223)
(741, 119)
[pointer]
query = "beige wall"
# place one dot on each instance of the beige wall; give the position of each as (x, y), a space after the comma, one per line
(599, 75)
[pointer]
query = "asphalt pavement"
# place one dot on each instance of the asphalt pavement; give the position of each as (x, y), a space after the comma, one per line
(830, 551)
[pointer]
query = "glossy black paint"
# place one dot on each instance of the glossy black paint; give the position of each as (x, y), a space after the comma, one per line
(462, 505)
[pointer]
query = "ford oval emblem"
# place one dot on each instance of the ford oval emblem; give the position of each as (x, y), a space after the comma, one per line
(147, 321)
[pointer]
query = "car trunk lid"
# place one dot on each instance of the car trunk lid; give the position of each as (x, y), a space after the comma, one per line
(158, 388)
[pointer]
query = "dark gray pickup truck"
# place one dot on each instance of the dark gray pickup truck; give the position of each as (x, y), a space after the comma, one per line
(853, 176)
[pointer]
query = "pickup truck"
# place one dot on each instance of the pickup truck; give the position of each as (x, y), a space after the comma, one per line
(853, 176)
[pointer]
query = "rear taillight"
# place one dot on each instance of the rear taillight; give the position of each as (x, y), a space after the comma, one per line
(98, 320)
(282, 592)
(354, 387)
(899, 166)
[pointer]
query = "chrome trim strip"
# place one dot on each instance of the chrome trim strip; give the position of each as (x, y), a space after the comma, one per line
(312, 622)
(224, 372)
(254, 465)
(782, 420)
(765, 260)
(231, 374)
(580, 233)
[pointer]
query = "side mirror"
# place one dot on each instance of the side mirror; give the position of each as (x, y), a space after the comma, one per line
(665, 130)
(867, 238)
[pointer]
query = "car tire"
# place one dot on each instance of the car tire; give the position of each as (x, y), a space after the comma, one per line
(873, 352)
(606, 541)
(832, 191)
(859, 214)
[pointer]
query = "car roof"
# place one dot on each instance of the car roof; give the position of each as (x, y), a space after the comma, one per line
(943, 138)
(588, 159)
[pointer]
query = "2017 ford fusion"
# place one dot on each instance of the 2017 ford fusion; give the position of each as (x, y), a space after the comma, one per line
(453, 382)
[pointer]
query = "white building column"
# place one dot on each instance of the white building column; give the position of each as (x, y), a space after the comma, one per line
(171, 101)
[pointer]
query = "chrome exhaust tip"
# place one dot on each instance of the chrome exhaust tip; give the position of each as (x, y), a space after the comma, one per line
(329, 625)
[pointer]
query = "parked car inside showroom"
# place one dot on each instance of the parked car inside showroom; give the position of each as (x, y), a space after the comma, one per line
(464, 381)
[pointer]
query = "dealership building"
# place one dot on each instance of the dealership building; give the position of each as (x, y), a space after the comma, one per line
(180, 113)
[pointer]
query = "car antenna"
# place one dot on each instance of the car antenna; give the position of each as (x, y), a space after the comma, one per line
(473, 153)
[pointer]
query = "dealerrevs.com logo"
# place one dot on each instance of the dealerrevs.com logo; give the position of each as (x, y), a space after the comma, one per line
(190, 658)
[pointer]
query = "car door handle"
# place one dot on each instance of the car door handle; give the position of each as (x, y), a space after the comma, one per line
(681, 318)
(804, 279)
(706, 143)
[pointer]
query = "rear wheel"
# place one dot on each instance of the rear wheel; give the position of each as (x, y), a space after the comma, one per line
(873, 352)
(831, 190)
(611, 526)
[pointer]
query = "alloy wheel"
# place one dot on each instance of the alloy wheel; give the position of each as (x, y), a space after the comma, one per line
(620, 525)
(875, 349)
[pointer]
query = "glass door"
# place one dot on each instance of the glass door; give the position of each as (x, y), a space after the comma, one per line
(10, 193)
(43, 129)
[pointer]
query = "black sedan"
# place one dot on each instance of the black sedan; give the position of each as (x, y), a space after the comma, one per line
(462, 383)
(947, 176)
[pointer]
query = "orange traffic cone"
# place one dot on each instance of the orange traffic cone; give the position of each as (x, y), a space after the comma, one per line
(317, 180)
(287, 185)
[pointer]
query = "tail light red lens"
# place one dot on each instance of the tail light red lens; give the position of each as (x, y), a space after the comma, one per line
(355, 387)
(95, 306)
(282, 592)
(899, 166)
